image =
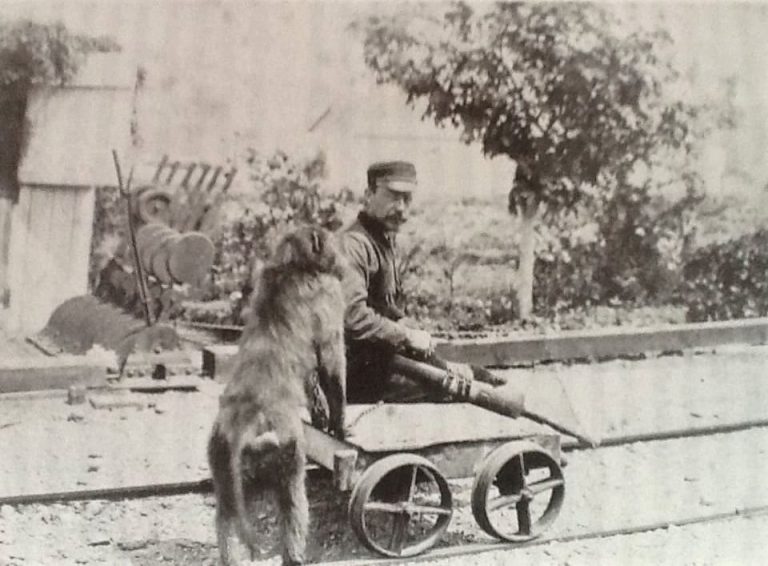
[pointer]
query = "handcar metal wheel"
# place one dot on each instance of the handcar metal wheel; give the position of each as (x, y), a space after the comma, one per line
(518, 492)
(400, 506)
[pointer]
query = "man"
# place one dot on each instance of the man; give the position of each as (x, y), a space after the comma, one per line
(373, 327)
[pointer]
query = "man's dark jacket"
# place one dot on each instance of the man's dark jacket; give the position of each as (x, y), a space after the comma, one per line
(372, 293)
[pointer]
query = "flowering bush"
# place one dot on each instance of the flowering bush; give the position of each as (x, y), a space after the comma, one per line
(728, 280)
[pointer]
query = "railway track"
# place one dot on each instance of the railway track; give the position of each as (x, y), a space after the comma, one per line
(169, 489)
(154, 495)
(473, 549)
(464, 551)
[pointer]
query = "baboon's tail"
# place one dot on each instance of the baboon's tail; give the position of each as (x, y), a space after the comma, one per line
(258, 444)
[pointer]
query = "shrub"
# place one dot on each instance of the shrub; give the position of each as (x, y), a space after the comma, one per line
(566, 278)
(728, 280)
(631, 254)
(110, 229)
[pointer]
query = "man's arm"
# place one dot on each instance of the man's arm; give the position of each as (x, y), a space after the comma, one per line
(360, 320)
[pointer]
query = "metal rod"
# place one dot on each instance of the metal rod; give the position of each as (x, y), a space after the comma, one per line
(174, 167)
(214, 178)
(160, 166)
(125, 192)
(229, 178)
(190, 169)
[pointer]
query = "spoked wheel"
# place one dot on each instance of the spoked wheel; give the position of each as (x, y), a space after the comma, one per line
(400, 506)
(518, 492)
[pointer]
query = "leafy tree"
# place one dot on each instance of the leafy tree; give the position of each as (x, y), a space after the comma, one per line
(31, 55)
(576, 99)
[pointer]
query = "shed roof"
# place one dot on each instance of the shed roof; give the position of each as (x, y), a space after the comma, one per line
(73, 130)
(75, 127)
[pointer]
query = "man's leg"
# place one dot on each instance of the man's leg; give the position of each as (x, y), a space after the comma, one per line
(402, 389)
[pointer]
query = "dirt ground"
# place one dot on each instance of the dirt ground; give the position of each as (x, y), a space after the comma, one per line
(51, 446)
(14, 347)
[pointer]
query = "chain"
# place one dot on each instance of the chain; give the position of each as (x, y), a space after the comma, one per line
(365, 413)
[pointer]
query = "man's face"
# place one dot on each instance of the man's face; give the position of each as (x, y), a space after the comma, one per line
(387, 205)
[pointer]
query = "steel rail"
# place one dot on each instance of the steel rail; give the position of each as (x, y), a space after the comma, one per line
(111, 493)
(571, 446)
(449, 552)
(205, 485)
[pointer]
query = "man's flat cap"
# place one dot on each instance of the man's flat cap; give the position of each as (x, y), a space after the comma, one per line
(398, 175)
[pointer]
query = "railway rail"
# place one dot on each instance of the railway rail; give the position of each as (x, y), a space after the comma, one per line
(742, 509)
(465, 550)
(202, 486)
(457, 553)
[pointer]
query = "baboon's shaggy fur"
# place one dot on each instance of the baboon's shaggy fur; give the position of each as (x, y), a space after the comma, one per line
(296, 329)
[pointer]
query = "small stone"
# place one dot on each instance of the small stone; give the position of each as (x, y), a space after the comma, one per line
(76, 417)
(7, 512)
(65, 517)
(706, 501)
(94, 507)
(93, 468)
(132, 545)
(76, 395)
(115, 402)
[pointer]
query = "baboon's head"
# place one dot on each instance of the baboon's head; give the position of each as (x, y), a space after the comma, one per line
(310, 249)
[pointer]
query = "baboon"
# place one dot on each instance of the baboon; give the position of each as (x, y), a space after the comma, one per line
(295, 331)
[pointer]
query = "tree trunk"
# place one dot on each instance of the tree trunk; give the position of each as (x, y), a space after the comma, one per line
(13, 137)
(6, 210)
(528, 219)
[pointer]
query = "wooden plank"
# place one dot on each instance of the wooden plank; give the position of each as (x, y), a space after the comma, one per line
(60, 372)
(6, 215)
(17, 261)
(149, 385)
(60, 277)
(172, 359)
(218, 361)
(63, 371)
(120, 400)
(41, 263)
(325, 450)
(82, 234)
(595, 344)
(605, 343)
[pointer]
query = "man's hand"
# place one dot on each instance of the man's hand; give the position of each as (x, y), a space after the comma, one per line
(419, 340)
(462, 378)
